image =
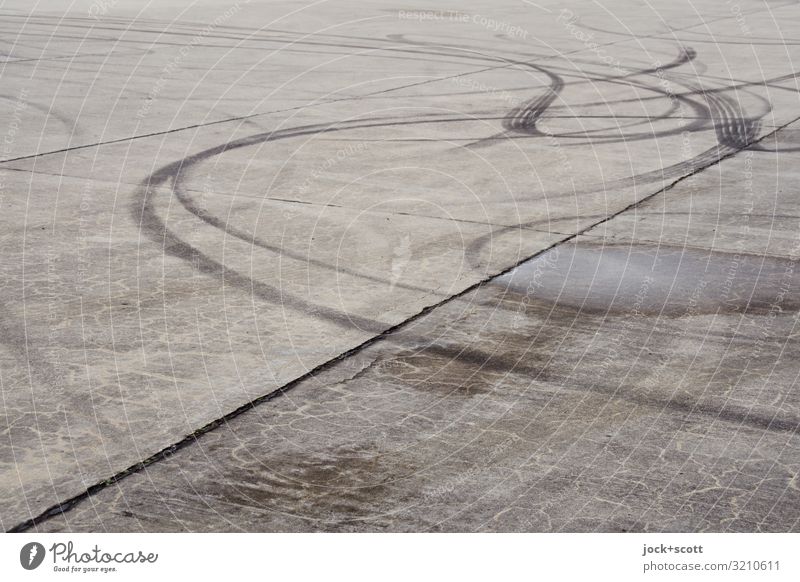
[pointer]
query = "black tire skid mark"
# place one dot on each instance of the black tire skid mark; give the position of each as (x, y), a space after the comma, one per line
(288, 43)
(143, 210)
(183, 196)
(273, 35)
(702, 113)
(71, 124)
(413, 56)
(144, 213)
(734, 131)
(522, 119)
(188, 203)
(593, 137)
(730, 132)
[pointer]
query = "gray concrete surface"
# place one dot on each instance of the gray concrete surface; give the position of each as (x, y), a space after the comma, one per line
(344, 266)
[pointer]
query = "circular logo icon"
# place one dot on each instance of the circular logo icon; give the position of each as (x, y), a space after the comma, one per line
(31, 555)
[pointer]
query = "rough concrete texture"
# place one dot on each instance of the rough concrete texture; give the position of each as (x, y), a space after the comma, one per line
(354, 266)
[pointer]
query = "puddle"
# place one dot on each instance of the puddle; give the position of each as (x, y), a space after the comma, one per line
(653, 280)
